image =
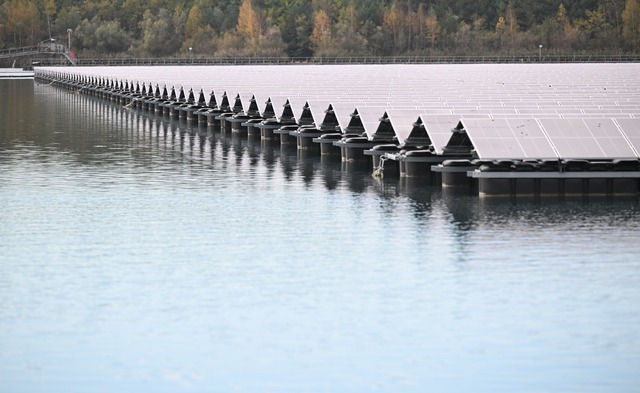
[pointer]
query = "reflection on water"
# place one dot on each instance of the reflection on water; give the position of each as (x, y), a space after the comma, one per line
(140, 253)
(92, 132)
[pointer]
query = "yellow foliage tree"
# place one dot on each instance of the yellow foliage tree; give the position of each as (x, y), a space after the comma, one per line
(22, 22)
(512, 27)
(321, 37)
(501, 26)
(631, 24)
(194, 22)
(393, 19)
(249, 23)
(432, 28)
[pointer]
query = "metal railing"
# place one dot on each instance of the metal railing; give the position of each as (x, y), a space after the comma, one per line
(44, 48)
(15, 52)
(344, 60)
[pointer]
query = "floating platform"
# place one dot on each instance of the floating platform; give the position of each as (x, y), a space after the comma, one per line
(507, 149)
(16, 73)
(543, 178)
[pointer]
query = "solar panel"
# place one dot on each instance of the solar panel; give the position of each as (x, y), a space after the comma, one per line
(439, 129)
(278, 102)
(631, 129)
(318, 108)
(567, 92)
(508, 138)
(343, 111)
(297, 104)
(370, 117)
(261, 100)
(402, 122)
(587, 138)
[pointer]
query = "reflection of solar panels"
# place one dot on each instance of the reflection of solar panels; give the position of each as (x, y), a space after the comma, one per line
(575, 102)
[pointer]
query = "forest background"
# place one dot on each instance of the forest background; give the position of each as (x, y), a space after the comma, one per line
(323, 28)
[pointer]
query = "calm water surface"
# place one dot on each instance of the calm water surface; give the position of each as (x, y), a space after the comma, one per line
(140, 254)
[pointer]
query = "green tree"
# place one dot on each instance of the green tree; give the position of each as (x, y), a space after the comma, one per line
(350, 42)
(159, 36)
(271, 43)
(295, 21)
(111, 38)
(85, 34)
(132, 12)
(67, 18)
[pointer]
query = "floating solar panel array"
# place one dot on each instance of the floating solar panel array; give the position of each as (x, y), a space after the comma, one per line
(548, 138)
(539, 111)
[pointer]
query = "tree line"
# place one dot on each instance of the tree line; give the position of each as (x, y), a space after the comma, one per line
(305, 28)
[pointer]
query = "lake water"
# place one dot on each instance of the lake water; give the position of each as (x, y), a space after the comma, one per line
(140, 254)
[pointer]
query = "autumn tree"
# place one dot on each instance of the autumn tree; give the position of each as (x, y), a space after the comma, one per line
(564, 33)
(321, 36)
(419, 21)
(507, 29)
(394, 20)
(249, 24)
(631, 24)
(595, 24)
(22, 24)
(321, 27)
(511, 26)
(197, 34)
(560, 21)
(501, 28)
(194, 22)
(432, 28)
(261, 38)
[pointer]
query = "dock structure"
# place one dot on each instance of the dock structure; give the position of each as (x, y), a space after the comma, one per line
(505, 130)
(16, 73)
